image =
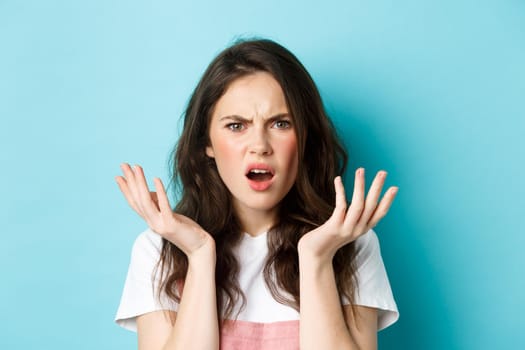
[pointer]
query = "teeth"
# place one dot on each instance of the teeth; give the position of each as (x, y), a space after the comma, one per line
(259, 171)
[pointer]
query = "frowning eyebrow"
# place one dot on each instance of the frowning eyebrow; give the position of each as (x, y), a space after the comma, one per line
(238, 118)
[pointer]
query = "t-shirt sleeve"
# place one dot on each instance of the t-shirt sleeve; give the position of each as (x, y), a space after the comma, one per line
(140, 289)
(373, 288)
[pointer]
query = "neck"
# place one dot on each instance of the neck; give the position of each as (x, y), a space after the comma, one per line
(255, 222)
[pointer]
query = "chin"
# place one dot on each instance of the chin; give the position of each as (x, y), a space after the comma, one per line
(260, 204)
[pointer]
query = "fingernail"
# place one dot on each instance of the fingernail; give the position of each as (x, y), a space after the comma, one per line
(394, 191)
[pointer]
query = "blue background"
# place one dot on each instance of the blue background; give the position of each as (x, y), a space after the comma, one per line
(432, 91)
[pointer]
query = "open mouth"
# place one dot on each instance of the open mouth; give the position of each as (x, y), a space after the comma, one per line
(259, 175)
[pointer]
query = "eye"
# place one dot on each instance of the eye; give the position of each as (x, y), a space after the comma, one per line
(235, 126)
(283, 124)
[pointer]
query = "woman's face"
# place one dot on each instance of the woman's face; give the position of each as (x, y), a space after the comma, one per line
(254, 143)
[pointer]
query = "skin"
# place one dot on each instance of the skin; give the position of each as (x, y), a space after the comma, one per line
(251, 124)
(322, 324)
(255, 134)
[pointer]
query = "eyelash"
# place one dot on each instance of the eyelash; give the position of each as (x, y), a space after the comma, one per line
(287, 122)
(237, 126)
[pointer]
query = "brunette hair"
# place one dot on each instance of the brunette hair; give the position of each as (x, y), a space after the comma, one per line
(205, 199)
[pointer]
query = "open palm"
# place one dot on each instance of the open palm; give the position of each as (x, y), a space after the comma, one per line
(348, 223)
(155, 209)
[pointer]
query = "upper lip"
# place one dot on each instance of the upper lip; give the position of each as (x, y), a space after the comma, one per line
(260, 166)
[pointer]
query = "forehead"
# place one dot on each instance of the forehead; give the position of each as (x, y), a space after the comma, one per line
(252, 95)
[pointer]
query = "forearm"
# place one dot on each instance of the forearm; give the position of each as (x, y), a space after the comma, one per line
(322, 323)
(196, 326)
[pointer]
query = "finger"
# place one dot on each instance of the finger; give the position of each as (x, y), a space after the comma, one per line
(122, 184)
(129, 176)
(163, 201)
(371, 200)
(383, 207)
(357, 204)
(145, 201)
(340, 199)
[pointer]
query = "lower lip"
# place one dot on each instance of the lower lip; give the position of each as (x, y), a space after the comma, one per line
(260, 185)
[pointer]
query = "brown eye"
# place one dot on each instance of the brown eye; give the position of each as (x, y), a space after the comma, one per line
(235, 126)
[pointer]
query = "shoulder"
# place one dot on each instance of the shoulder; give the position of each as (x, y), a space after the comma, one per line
(145, 253)
(139, 295)
(370, 237)
(367, 247)
(148, 244)
(373, 286)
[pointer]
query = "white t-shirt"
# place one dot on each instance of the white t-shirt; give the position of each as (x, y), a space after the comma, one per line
(139, 296)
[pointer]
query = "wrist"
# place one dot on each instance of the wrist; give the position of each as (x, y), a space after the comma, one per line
(314, 256)
(203, 257)
(309, 259)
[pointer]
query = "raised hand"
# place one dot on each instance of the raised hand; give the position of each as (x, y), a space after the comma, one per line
(155, 209)
(346, 225)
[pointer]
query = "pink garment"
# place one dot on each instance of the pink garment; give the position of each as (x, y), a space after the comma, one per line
(244, 335)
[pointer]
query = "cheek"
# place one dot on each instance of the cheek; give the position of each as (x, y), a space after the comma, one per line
(227, 157)
(289, 149)
(224, 148)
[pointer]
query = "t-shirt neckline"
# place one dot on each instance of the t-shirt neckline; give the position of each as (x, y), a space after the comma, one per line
(247, 236)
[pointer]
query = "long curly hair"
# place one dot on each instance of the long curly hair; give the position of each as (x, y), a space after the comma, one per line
(205, 199)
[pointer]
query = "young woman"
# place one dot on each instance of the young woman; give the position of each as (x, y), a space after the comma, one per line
(262, 250)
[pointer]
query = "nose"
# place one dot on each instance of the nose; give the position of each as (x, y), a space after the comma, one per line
(260, 143)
